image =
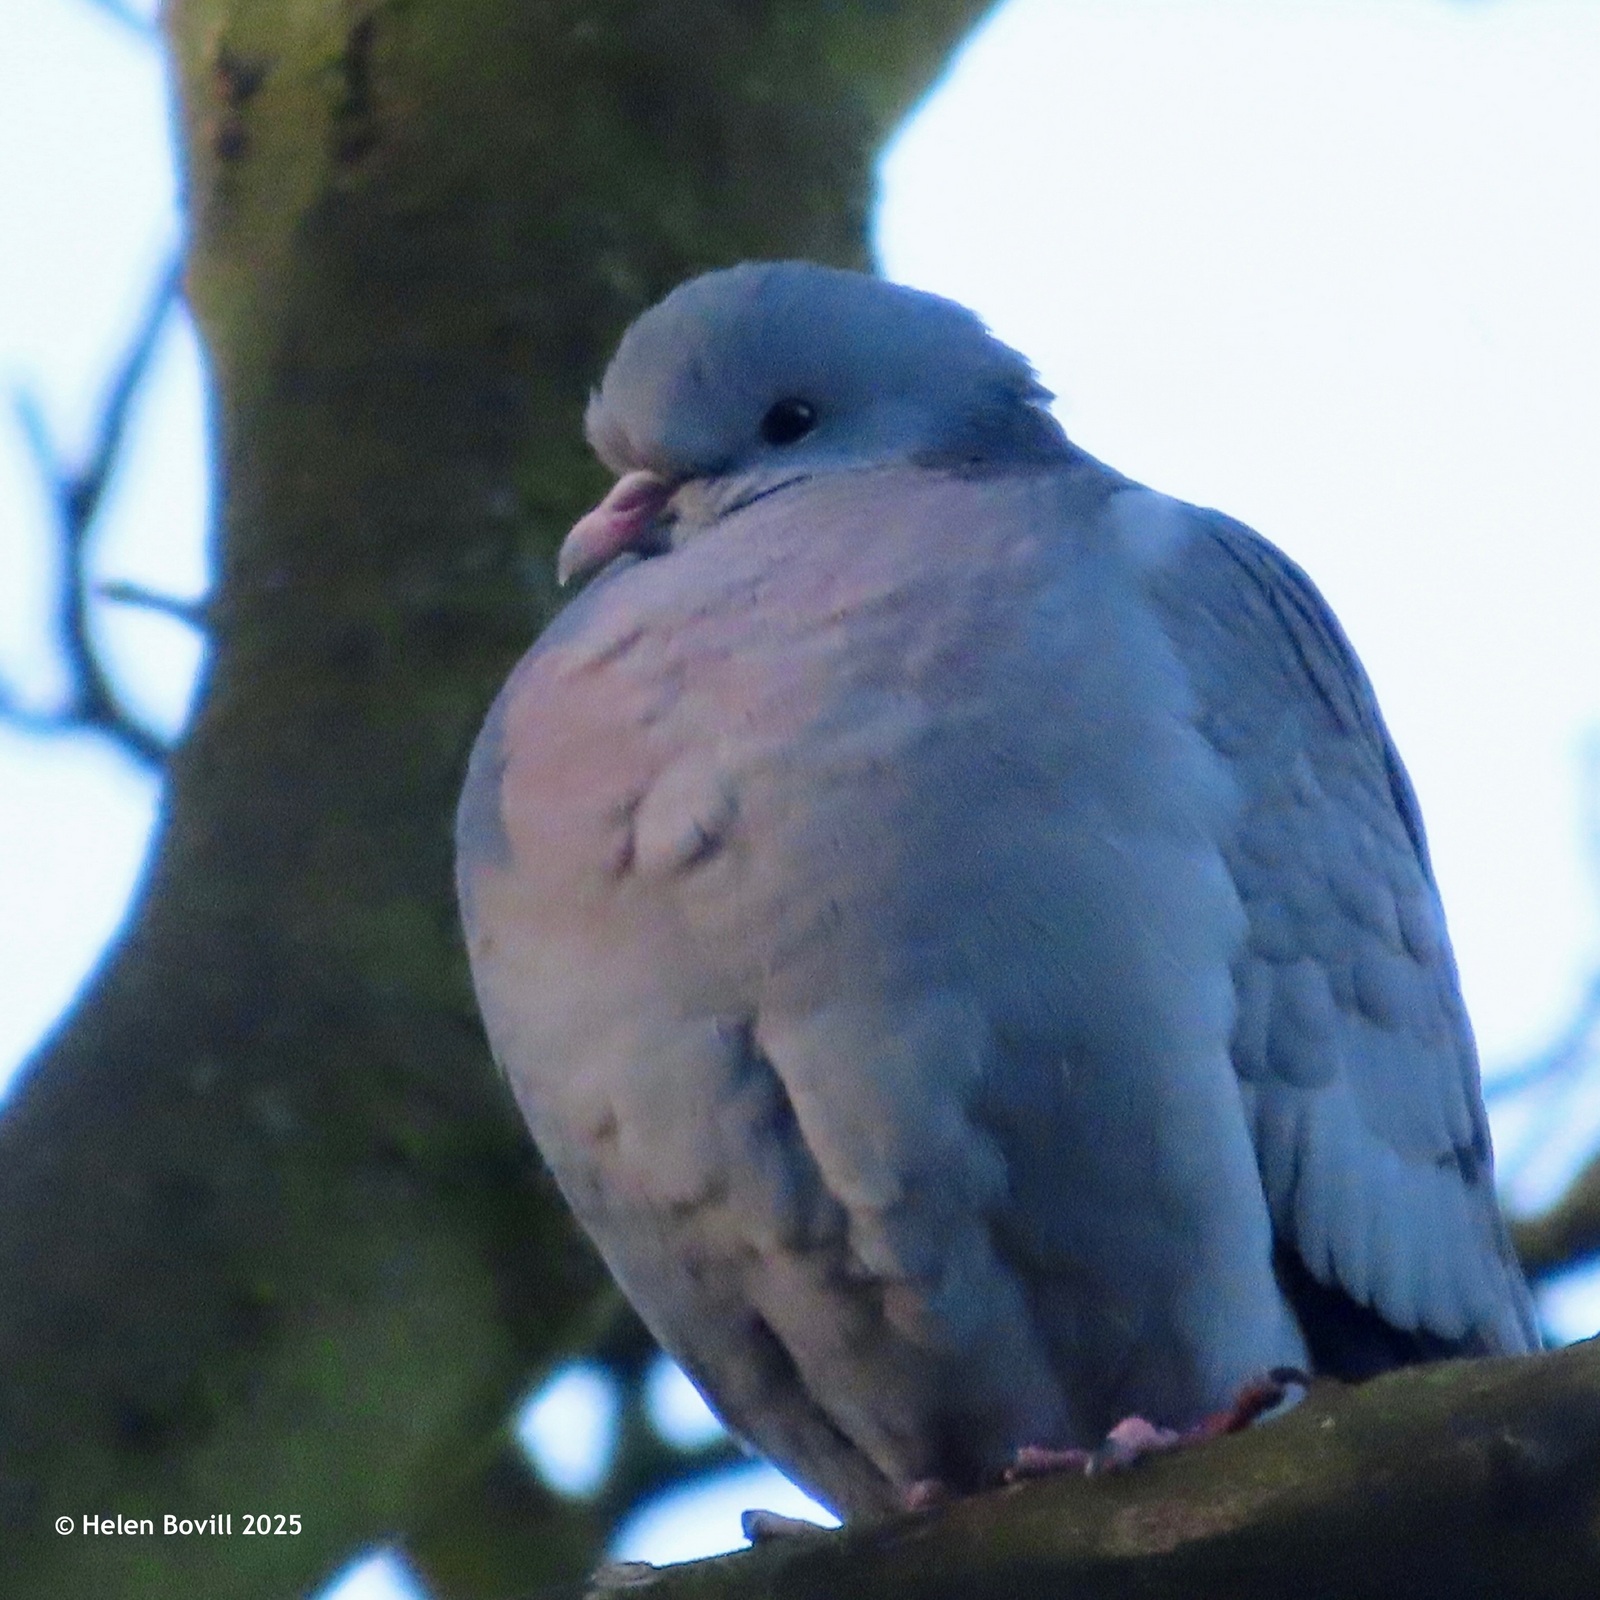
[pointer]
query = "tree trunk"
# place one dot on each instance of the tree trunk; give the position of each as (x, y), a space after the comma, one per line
(272, 1239)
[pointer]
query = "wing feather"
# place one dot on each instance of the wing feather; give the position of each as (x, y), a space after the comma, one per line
(1352, 1045)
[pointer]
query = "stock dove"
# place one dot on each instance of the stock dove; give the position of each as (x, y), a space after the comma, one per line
(954, 920)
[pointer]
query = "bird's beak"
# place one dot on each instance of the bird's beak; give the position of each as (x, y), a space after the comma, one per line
(622, 521)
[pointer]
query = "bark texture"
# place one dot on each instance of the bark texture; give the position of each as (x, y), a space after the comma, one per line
(271, 1236)
(1467, 1481)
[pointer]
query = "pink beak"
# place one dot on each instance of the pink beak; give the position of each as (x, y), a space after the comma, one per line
(620, 522)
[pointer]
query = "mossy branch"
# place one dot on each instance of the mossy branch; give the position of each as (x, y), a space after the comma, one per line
(1463, 1481)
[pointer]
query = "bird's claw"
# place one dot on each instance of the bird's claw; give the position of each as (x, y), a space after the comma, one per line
(1135, 1437)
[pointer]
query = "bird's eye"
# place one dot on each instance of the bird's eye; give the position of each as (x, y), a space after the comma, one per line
(788, 420)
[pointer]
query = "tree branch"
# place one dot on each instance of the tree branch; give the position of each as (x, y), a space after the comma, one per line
(1467, 1481)
(1566, 1235)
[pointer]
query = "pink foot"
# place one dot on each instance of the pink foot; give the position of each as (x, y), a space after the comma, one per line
(1131, 1439)
(925, 1494)
(1134, 1437)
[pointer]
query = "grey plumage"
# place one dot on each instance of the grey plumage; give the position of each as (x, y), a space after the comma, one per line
(954, 920)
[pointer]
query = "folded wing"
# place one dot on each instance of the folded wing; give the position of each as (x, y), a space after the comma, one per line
(1352, 1046)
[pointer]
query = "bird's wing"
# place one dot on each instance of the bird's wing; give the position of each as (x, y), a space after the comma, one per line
(1352, 1046)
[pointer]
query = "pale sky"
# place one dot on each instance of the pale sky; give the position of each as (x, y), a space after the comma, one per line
(1329, 265)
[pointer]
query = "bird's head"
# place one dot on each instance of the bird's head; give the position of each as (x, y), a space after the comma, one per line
(744, 381)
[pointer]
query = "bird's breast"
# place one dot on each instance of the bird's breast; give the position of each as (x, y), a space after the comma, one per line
(827, 737)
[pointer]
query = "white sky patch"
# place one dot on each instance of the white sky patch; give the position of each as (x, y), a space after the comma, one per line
(1568, 1304)
(87, 182)
(677, 1411)
(384, 1576)
(75, 822)
(704, 1520)
(569, 1428)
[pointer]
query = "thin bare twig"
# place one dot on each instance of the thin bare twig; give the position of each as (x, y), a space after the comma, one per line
(123, 593)
(144, 26)
(1549, 1080)
(77, 494)
(1574, 1048)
